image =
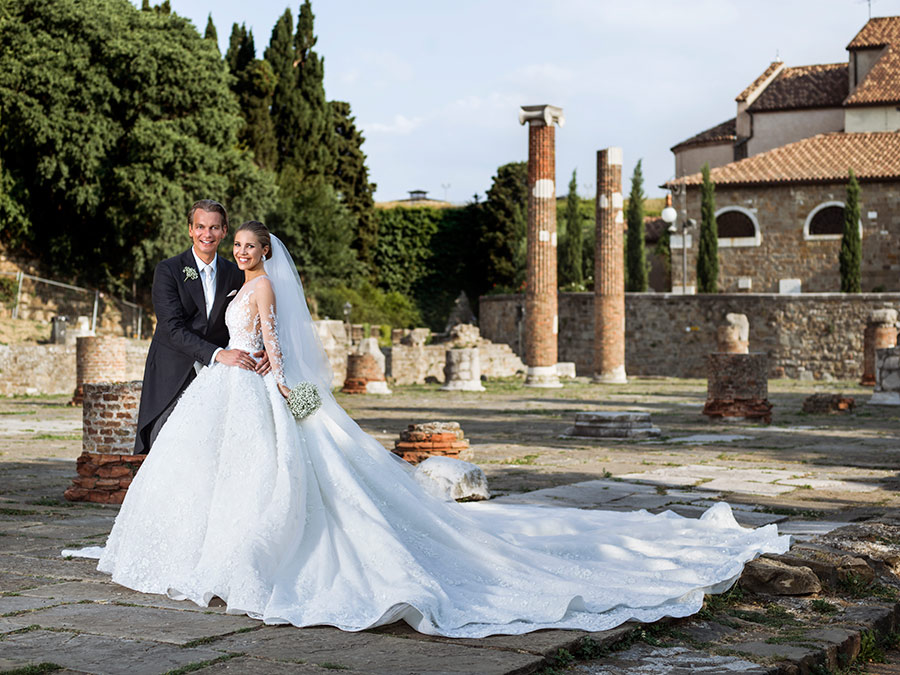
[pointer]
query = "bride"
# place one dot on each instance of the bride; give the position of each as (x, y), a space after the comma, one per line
(315, 523)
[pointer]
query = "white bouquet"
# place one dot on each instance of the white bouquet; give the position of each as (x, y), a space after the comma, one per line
(304, 400)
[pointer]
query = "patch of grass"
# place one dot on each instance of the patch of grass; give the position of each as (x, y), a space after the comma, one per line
(870, 651)
(527, 459)
(661, 490)
(824, 607)
(16, 512)
(606, 474)
(50, 501)
(718, 602)
(57, 437)
(34, 669)
(199, 665)
(328, 665)
(18, 412)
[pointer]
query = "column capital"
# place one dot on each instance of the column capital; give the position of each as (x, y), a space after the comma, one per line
(543, 115)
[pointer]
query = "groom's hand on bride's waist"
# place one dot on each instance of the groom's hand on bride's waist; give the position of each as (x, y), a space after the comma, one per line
(236, 357)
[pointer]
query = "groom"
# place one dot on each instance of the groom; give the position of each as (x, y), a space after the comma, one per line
(190, 293)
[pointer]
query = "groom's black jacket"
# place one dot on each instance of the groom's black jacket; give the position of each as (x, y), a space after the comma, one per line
(183, 334)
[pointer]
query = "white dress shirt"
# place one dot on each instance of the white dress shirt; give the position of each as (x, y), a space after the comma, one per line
(209, 296)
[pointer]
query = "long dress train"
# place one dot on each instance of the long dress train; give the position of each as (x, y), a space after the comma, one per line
(315, 523)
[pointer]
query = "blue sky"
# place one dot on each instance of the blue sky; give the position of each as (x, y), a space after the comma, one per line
(436, 85)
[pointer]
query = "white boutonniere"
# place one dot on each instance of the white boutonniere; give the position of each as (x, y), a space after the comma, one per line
(190, 273)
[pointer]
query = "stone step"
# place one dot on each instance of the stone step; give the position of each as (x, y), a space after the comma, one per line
(602, 432)
(607, 417)
(615, 425)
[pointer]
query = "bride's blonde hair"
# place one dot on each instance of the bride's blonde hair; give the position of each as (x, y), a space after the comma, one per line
(261, 232)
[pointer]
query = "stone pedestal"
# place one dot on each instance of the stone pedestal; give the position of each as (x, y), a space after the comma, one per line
(541, 317)
(887, 377)
(612, 425)
(102, 478)
(364, 376)
(738, 387)
(99, 359)
(377, 384)
(609, 271)
(828, 404)
(106, 467)
(429, 439)
(881, 333)
(462, 370)
(733, 337)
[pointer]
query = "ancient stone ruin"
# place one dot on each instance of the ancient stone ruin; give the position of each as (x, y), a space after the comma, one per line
(733, 337)
(541, 316)
(738, 388)
(365, 370)
(462, 371)
(828, 404)
(106, 466)
(420, 441)
(887, 377)
(99, 359)
(881, 333)
(609, 271)
(612, 425)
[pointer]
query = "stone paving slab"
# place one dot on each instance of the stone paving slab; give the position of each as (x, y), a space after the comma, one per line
(746, 487)
(649, 660)
(148, 623)
(247, 665)
(56, 568)
(22, 603)
(806, 529)
(371, 652)
(82, 591)
(835, 485)
(100, 655)
(11, 583)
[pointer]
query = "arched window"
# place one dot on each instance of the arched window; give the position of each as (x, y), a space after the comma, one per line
(737, 226)
(826, 221)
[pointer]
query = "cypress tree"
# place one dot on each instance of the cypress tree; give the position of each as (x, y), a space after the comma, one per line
(708, 251)
(211, 33)
(851, 245)
(570, 253)
(253, 84)
(286, 104)
(636, 257)
(351, 181)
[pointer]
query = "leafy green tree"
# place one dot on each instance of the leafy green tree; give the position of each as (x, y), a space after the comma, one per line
(571, 249)
(254, 85)
(351, 180)
(636, 257)
(112, 122)
(317, 229)
(502, 245)
(404, 246)
(708, 251)
(300, 113)
(851, 246)
(210, 33)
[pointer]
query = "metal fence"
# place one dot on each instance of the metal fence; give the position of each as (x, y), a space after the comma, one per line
(21, 277)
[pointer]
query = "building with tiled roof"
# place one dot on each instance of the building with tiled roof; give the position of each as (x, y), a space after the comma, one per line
(781, 168)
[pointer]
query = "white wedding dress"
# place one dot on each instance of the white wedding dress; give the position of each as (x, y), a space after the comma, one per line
(315, 523)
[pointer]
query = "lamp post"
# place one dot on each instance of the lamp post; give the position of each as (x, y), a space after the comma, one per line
(347, 308)
(670, 215)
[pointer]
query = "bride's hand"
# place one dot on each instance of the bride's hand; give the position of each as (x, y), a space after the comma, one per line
(284, 390)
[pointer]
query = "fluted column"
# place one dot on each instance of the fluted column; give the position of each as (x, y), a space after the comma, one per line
(541, 317)
(609, 271)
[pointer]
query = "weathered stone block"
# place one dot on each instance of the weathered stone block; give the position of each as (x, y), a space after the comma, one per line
(772, 577)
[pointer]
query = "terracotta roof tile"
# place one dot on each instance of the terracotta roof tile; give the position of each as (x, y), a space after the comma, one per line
(881, 84)
(744, 95)
(878, 32)
(819, 86)
(822, 158)
(725, 131)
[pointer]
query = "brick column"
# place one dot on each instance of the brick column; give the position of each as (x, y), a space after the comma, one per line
(609, 271)
(541, 318)
(99, 359)
(880, 333)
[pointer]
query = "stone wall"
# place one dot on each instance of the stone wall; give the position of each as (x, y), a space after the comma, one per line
(818, 335)
(50, 369)
(417, 364)
(784, 253)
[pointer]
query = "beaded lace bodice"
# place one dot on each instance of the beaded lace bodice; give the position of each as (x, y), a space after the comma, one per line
(252, 330)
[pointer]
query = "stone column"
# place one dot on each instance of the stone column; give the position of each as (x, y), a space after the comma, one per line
(609, 271)
(881, 333)
(541, 318)
(99, 359)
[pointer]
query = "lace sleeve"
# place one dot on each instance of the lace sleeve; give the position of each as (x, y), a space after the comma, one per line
(268, 321)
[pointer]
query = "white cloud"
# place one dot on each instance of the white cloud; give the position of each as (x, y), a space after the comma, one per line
(401, 125)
